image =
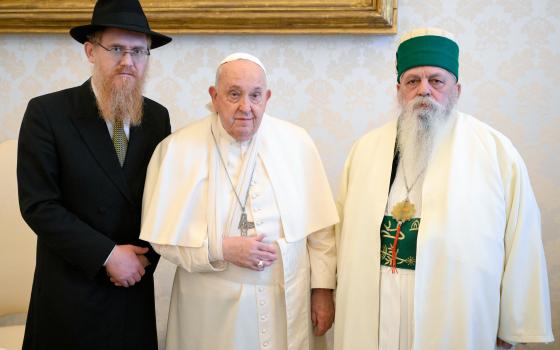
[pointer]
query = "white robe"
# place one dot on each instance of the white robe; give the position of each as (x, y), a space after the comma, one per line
(175, 218)
(480, 268)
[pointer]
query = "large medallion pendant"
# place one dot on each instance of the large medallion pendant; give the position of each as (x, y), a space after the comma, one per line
(245, 225)
(403, 211)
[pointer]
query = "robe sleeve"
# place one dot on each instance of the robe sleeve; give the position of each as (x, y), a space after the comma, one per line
(525, 302)
(322, 258)
(190, 259)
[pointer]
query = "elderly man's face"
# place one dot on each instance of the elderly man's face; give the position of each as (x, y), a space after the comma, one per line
(121, 70)
(427, 81)
(240, 98)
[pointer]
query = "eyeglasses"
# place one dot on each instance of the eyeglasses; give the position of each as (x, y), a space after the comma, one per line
(118, 52)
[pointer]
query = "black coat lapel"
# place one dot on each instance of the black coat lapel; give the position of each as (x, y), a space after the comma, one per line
(95, 135)
(134, 149)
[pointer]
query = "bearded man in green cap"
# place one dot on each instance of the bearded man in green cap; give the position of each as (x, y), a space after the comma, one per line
(439, 245)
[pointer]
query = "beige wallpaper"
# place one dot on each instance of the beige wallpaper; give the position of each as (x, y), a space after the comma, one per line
(340, 86)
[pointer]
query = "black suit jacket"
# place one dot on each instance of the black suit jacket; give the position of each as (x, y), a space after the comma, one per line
(76, 197)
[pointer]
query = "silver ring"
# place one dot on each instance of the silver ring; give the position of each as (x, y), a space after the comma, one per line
(260, 264)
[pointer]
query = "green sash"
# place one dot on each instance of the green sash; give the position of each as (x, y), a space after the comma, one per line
(406, 248)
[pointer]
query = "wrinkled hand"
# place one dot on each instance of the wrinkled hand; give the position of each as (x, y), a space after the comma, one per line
(124, 266)
(503, 344)
(322, 310)
(248, 251)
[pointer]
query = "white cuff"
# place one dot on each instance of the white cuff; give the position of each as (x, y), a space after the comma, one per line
(112, 250)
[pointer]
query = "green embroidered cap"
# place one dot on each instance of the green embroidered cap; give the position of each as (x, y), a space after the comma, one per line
(428, 47)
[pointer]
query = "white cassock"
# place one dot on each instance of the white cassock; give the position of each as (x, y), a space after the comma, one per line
(189, 204)
(480, 266)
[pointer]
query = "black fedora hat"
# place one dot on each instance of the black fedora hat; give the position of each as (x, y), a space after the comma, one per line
(122, 14)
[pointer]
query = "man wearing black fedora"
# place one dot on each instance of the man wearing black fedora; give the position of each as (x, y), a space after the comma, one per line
(82, 159)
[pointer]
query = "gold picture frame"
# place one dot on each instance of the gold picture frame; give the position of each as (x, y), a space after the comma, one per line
(215, 16)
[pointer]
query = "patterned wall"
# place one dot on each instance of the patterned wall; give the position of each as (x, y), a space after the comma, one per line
(337, 87)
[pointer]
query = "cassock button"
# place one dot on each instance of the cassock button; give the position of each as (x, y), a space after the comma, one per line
(262, 302)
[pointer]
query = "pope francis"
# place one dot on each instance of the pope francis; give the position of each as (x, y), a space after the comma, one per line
(440, 237)
(240, 202)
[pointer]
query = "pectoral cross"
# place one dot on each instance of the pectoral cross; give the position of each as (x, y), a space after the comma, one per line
(245, 225)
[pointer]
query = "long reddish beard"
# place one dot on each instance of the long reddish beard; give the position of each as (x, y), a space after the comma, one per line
(119, 97)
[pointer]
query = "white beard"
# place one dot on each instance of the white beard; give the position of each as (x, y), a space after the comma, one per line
(418, 130)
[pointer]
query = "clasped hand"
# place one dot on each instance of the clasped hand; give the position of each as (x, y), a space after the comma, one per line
(126, 264)
(248, 252)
